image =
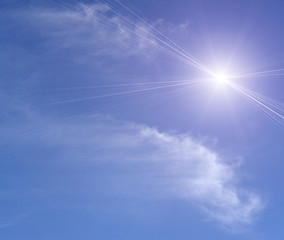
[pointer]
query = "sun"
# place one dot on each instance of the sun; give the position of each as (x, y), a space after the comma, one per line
(221, 78)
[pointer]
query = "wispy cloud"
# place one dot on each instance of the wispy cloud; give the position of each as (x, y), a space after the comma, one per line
(105, 30)
(102, 29)
(177, 165)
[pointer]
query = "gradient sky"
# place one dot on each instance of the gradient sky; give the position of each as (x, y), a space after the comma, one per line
(113, 125)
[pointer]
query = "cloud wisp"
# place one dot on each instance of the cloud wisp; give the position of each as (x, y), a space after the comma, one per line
(96, 27)
(107, 29)
(176, 165)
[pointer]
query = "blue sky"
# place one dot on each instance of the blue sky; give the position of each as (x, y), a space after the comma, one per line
(115, 123)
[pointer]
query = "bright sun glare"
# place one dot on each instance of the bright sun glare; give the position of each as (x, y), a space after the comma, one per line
(221, 78)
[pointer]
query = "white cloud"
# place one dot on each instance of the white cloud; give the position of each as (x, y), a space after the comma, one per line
(201, 175)
(98, 27)
(101, 29)
(177, 165)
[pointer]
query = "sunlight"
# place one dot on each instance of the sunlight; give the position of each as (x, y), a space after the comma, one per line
(221, 78)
